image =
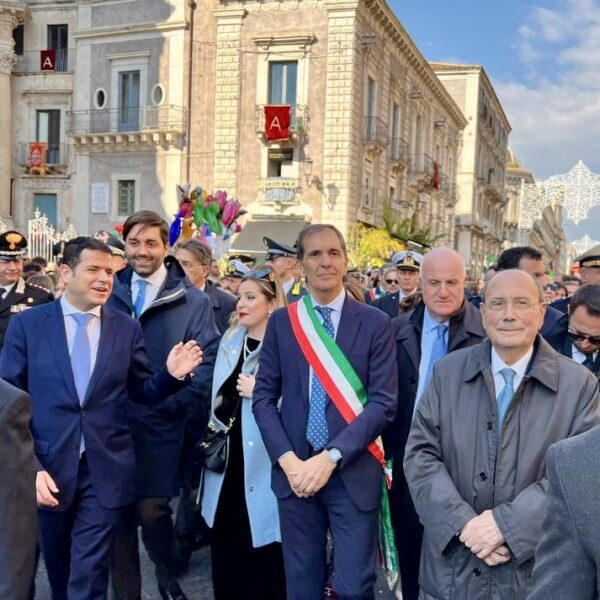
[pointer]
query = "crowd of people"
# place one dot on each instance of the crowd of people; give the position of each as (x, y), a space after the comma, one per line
(274, 400)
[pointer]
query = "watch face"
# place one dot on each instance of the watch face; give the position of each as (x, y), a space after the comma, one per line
(335, 455)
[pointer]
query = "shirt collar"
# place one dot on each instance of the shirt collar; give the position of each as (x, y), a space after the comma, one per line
(519, 367)
(429, 323)
(156, 279)
(69, 309)
(336, 304)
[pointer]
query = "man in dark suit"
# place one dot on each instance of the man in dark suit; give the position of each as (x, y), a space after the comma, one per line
(18, 514)
(568, 555)
(16, 295)
(444, 305)
(282, 258)
(81, 363)
(408, 264)
(582, 340)
(323, 475)
(155, 290)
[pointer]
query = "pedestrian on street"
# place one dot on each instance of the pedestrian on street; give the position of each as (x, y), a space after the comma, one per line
(82, 363)
(238, 503)
(327, 472)
(442, 323)
(155, 290)
(476, 456)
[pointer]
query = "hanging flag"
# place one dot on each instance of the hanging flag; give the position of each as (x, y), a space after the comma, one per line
(48, 60)
(37, 158)
(436, 175)
(277, 122)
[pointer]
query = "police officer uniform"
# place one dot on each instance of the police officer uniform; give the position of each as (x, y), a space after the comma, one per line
(404, 260)
(293, 289)
(19, 296)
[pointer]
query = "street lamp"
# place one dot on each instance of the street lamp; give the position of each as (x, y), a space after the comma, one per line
(307, 167)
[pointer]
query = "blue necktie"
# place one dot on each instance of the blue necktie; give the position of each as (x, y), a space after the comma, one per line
(589, 361)
(438, 350)
(506, 395)
(81, 361)
(138, 307)
(317, 432)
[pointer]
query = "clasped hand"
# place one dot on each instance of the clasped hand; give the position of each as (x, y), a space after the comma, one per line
(183, 359)
(483, 537)
(307, 477)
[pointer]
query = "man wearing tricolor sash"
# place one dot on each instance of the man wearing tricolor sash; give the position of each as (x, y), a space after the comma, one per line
(331, 360)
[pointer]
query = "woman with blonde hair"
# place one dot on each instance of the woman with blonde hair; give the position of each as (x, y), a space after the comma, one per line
(238, 503)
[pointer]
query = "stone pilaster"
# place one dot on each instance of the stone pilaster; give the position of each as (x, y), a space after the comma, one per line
(342, 115)
(227, 99)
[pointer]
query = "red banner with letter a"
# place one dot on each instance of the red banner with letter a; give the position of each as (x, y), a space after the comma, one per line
(47, 60)
(277, 122)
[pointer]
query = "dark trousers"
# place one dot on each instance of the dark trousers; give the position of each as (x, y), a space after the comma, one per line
(76, 544)
(304, 526)
(155, 517)
(409, 536)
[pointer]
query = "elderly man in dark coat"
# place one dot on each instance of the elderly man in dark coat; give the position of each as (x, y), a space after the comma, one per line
(443, 277)
(155, 290)
(476, 456)
(18, 510)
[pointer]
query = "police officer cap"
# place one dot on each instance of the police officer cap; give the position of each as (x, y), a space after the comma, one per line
(407, 259)
(13, 245)
(591, 258)
(276, 249)
(236, 268)
(117, 247)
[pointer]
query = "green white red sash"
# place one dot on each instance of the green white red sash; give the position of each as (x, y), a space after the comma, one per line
(333, 369)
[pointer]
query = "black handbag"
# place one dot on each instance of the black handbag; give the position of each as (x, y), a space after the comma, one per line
(213, 448)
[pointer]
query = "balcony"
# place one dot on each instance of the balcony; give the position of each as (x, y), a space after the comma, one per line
(375, 133)
(163, 125)
(56, 157)
(420, 173)
(31, 61)
(279, 190)
(298, 122)
(398, 153)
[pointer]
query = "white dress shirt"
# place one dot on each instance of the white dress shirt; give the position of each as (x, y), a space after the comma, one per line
(519, 368)
(93, 328)
(155, 283)
(428, 336)
(579, 356)
(336, 313)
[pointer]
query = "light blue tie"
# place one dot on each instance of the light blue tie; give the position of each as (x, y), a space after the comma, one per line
(81, 361)
(317, 431)
(506, 395)
(138, 307)
(438, 350)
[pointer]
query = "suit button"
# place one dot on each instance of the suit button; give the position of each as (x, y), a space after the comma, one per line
(489, 425)
(482, 476)
(477, 572)
(82, 413)
(251, 489)
(250, 443)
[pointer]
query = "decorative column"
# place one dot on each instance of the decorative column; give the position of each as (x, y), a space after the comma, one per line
(227, 98)
(11, 14)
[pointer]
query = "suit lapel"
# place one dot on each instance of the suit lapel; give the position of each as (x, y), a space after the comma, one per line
(57, 340)
(348, 326)
(105, 350)
(411, 337)
(10, 298)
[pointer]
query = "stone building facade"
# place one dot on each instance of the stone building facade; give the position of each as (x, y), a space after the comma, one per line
(481, 170)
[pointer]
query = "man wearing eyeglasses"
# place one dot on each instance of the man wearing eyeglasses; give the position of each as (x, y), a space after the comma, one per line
(475, 459)
(582, 342)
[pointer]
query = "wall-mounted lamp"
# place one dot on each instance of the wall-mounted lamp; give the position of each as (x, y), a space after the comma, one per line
(314, 181)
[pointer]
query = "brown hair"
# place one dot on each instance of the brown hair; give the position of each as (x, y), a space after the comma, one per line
(313, 230)
(201, 251)
(146, 218)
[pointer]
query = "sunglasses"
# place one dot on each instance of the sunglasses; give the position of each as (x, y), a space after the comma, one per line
(390, 281)
(580, 337)
(264, 273)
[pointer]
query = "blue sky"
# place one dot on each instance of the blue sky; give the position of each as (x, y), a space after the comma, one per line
(543, 58)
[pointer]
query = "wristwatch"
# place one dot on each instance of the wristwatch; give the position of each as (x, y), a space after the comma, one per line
(335, 456)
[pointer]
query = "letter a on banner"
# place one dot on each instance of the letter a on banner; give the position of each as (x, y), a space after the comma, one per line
(277, 122)
(48, 60)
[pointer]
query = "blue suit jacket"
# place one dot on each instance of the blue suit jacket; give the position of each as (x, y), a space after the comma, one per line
(35, 358)
(365, 336)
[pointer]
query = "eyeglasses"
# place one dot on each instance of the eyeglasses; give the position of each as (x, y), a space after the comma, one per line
(519, 304)
(553, 287)
(580, 337)
(390, 281)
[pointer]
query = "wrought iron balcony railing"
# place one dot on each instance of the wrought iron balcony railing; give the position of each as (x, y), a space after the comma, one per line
(375, 131)
(56, 154)
(31, 61)
(166, 117)
(399, 151)
(298, 120)
(421, 164)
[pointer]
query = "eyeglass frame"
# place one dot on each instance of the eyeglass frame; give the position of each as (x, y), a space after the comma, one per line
(581, 337)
